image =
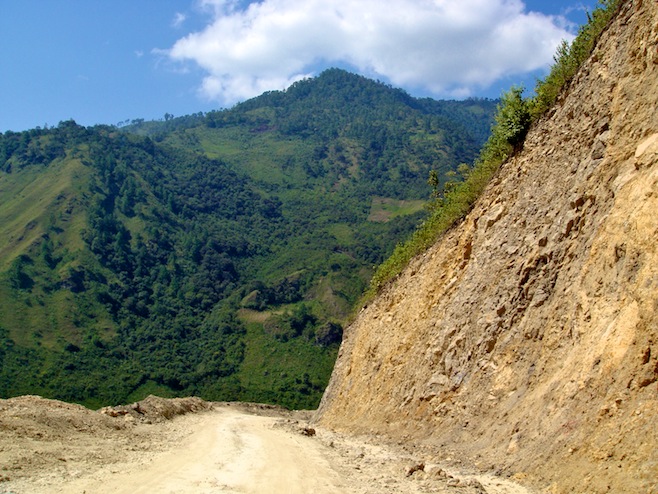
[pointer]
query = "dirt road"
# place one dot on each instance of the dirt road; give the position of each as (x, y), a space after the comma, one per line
(229, 452)
(57, 448)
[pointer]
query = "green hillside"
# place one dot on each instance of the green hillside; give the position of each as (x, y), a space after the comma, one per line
(215, 255)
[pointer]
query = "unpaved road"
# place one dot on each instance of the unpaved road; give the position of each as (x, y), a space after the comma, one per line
(229, 452)
(187, 446)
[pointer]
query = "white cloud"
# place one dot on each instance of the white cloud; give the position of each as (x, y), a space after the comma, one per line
(447, 47)
(178, 20)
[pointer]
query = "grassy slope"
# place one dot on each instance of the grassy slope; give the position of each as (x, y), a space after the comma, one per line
(36, 203)
(35, 199)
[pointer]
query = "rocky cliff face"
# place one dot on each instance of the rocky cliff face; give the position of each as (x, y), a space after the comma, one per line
(527, 337)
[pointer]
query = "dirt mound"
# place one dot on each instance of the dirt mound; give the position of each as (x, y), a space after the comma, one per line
(48, 439)
(156, 409)
(40, 418)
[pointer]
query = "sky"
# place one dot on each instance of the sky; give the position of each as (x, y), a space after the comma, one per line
(111, 61)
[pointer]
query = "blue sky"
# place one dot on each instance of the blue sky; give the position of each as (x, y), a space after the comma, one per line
(107, 61)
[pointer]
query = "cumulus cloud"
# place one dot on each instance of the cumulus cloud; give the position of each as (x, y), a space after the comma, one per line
(446, 47)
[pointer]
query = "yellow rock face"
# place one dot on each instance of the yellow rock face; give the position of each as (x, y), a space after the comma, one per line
(527, 337)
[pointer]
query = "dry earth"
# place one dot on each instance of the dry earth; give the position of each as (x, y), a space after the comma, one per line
(191, 446)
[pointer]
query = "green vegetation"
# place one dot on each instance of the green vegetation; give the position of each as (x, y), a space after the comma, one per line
(570, 57)
(513, 118)
(214, 255)
(385, 209)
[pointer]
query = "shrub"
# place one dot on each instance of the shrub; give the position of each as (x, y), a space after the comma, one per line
(569, 57)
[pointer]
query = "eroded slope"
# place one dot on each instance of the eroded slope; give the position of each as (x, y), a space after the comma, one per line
(528, 336)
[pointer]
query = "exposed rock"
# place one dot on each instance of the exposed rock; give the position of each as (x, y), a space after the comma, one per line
(528, 335)
(307, 431)
(419, 467)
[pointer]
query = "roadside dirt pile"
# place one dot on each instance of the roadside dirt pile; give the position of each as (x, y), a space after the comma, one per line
(156, 409)
(49, 438)
(526, 339)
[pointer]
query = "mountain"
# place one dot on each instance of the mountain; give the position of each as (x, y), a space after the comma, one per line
(527, 337)
(216, 255)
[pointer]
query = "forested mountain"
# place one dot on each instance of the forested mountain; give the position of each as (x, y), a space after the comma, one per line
(215, 255)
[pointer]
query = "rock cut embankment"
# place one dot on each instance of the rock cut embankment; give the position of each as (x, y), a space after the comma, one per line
(527, 337)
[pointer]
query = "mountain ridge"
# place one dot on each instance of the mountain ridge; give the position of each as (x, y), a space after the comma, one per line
(215, 255)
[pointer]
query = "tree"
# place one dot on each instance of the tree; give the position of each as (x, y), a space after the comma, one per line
(513, 117)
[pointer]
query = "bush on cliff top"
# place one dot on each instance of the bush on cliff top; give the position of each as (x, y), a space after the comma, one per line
(570, 57)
